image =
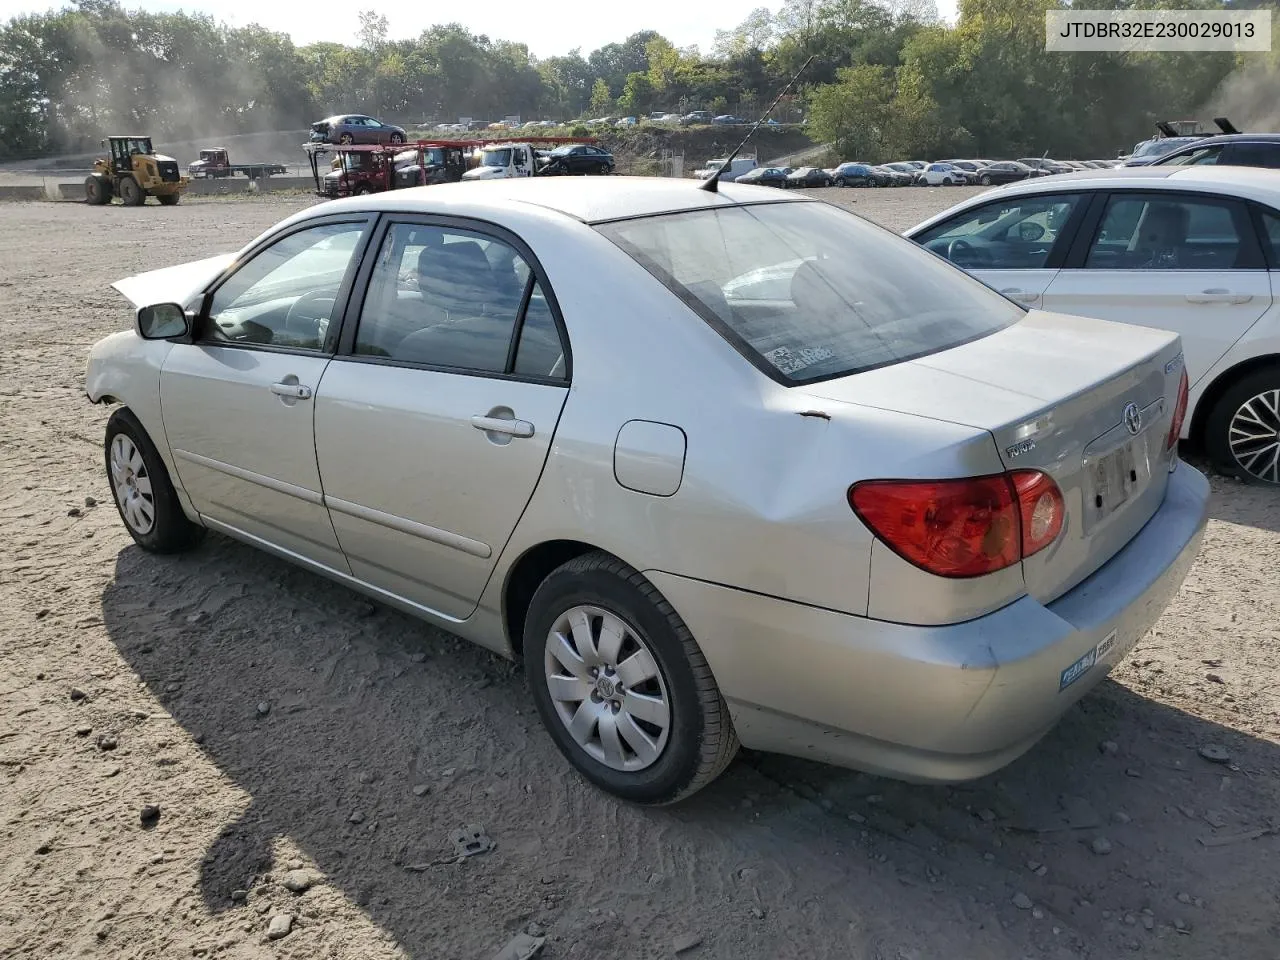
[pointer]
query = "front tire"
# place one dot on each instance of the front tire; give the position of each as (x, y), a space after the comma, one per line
(131, 195)
(97, 190)
(346, 139)
(649, 724)
(841, 182)
(397, 138)
(985, 180)
(1242, 432)
(142, 490)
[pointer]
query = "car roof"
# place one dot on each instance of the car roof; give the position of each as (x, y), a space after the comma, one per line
(1253, 183)
(587, 199)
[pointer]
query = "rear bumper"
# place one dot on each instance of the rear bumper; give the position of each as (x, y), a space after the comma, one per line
(935, 704)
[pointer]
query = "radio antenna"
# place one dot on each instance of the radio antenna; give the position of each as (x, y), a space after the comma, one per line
(712, 183)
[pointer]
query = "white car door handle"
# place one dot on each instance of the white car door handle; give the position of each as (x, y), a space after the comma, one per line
(512, 428)
(1218, 295)
(1017, 293)
(297, 391)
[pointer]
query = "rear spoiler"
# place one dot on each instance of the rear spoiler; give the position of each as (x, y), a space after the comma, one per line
(1167, 129)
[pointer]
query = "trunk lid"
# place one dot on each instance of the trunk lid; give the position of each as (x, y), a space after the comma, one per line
(1054, 391)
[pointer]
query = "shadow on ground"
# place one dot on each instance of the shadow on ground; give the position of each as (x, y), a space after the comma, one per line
(778, 858)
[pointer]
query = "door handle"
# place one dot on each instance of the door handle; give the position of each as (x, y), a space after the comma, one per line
(296, 391)
(1017, 293)
(512, 428)
(1218, 295)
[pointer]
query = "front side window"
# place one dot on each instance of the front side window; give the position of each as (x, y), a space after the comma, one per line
(1154, 232)
(285, 295)
(450, 297)
(1016, 234)
(1202, 156)
(808, 292)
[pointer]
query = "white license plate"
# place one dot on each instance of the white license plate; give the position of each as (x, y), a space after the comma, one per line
(1112, 479)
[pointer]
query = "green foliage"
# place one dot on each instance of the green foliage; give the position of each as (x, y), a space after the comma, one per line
(889, 79)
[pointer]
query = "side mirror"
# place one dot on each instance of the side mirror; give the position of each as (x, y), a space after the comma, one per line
(162, 321)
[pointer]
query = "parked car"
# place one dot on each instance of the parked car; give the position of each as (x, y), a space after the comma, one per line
(905, 167)
(1241, 150)
(1046, 166)
(1004, 171)
(971, 167)
(764, 177)
(578, 158)
(355, 128)
(729, 120)
(944, 175)
(894, 177)
(809, 177)
(855, 175)
(1187, 248)
(892, 528)
(696, 117)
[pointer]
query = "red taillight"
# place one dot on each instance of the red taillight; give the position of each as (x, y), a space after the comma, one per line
(1179, 412)
(1041, 509)
(966, 527)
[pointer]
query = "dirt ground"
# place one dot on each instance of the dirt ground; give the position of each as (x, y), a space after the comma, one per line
(281, 724)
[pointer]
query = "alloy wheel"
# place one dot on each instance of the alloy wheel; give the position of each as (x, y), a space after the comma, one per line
(606, 688)
(1254, 436)
(132, 485)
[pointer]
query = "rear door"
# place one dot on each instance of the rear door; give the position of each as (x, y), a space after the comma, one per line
(1261, 153)
(435, 420)
(1186, 262)
(1015, 245)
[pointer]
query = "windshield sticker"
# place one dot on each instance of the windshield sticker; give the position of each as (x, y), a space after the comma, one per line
(789, 361)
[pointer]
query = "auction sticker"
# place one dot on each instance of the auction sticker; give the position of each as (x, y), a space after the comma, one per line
(1082, 666)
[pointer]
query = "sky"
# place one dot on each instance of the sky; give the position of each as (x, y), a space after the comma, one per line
(547, 29)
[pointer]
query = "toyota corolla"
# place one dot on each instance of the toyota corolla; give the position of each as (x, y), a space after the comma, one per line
(718, 467)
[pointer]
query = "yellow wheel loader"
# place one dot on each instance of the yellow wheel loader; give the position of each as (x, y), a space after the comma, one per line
(132, 171)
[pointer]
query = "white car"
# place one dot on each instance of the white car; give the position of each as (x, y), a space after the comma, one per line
(1191, 249)
(863, 510)
(944, 175)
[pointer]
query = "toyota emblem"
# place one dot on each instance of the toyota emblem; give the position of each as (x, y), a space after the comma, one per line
(1132, 418)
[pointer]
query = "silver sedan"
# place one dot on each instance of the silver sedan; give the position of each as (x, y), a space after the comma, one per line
(719, 467)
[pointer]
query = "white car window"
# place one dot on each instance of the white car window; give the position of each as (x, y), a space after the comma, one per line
(856, 296)
(1154, 232)
(1015, 234)
(285, 295)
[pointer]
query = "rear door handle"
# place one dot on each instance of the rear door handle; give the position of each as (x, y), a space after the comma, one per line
(1218, 295)
(512, 428)
(297, 391)
(1017, 293)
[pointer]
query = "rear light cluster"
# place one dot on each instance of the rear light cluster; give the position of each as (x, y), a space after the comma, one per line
(966, 527)
(1179, 413)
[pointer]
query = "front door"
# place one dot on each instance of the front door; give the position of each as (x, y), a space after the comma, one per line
(1014, 245)
(1190, 263)
(434, 422)
(239, 401)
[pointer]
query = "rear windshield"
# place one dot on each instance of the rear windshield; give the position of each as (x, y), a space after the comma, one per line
(808, 292)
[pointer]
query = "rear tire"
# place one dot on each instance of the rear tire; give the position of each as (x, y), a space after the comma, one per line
(131, 194)
(396, 138)
(97, 190)
(841, 182)
(142, 490)
(168, 199)
(697, 742)
(346, 138)
(1249, 414)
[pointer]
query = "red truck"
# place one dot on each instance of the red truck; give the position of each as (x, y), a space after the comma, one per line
(215, 162)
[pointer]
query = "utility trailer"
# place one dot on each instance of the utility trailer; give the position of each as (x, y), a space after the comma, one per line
(215, 163)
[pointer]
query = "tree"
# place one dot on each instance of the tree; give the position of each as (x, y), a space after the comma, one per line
(372, 34)
(601, 103)
(853, 112)
(637, 94)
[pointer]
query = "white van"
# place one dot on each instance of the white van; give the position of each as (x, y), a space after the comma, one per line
(739, 166)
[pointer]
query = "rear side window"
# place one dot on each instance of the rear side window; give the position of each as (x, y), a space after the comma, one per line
(1170, 232)
(1254, 155)
(1200, 157)
(1271, 224)
(808, 292)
